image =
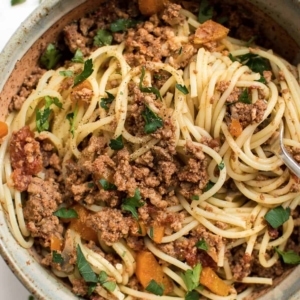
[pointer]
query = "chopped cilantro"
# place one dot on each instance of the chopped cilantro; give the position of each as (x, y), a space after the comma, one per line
(65, 213)
(66, 73)
(182, 88)
(277, 216)
(202, 245)
(50, 57)
(149, 89)
(42, 116)
(87, 71)
(132, 203)
(195, 197)
(152, 120)
(233, 59)
(289, 257)
(107, 186)
(209, 185)
(15, 2)
(116, 144)
(109, 285)
(57, 258)
(262, 80)
(192, 295)
(191, 277)
(105, 101)
(122, 25)
(102, 38)
(244, 97)
(78, 57)
(206, 11)
(221, 165)
(155, 288)
(255, 62)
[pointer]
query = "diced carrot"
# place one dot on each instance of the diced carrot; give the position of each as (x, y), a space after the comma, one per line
(151, 7)
(213, 282)
(55, 243)
(3, 129)
(147, 269)
(79, 225)
(235, 128)
(158, 233)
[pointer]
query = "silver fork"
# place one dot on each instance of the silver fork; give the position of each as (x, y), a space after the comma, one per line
(279, 149)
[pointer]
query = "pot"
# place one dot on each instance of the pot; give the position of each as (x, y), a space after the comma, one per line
(21, 55)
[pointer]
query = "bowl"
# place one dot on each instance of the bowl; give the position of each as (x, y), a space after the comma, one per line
(21, 55)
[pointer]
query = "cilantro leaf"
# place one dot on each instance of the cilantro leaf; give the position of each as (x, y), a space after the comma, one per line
(192, 295)
(277, 216)
(191, 277)
(42, 116)
(109, 285)
(87, 71)
(202, 245)
(105, 101)
(152, 120)
(149, 89)
(132, 203)
(122, 25)
(66, 73)
(155, 288)
(221, 165)
(50, 57)
(262, 80)
(244, 97)
(78, 57)
(182, 88)
(289, 257)
(84, 268)
(91, 288)
(206, 11)
(15, 2)
(233, 59)
(116, 144)
(65, 213)
(107, 186)
(195, 197)
(255, 62)
(102, 38)
(209, 185)
(57, 258)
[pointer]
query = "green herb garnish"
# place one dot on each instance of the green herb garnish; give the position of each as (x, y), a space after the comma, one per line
(202, 245)
(66, 73)
(50, 57)
(255, 62)
(182, 88)
(191, 277)
(87, 71)
(116, 144)
(65, 213)
(221, 165)
(244, 97)
(132, 203)
(195, 197)
(122, 25)
(102, 38)
(152, 120)
(206, 11)
(78, 57)
(277, 216)
(192, 295)
(15, 2)
(209, 185)
(109, 285)
(149, 89)
(151, 232)
(105, 101)
(155, 288)
(289, 257)
(71, 118)
(57, 258)
(107, 186)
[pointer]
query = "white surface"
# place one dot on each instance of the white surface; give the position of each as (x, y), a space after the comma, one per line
(10, 20)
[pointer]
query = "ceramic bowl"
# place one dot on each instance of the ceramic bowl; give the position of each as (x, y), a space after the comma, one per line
(20, 56)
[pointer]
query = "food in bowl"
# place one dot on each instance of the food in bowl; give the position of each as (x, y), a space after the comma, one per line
(142, 166)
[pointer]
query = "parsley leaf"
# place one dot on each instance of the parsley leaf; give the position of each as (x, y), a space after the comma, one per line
(78, 57)
(192, 295)
(152, 120)
(107, 186)
(103, 37)
(71, 118)
(233, 59)
(221, 165)
(15, 2)
(50, 57)
(132, 203)
(155, 288)
(255, 62)
(116, 144)
(182, 88)
(206, 11)
(84, 268)
(244, 97)
(42, 116)
(66, 73)
(149, 89)
(105, 101)
(289, 257)
(91, 288)
(65, 213)
(191, 277)
(87, 71)
(122, 25)
(202, 245)
(262, 80)
(109, 285)
(195, 197)
(277, 216)
(209, 185)
(57, 258)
